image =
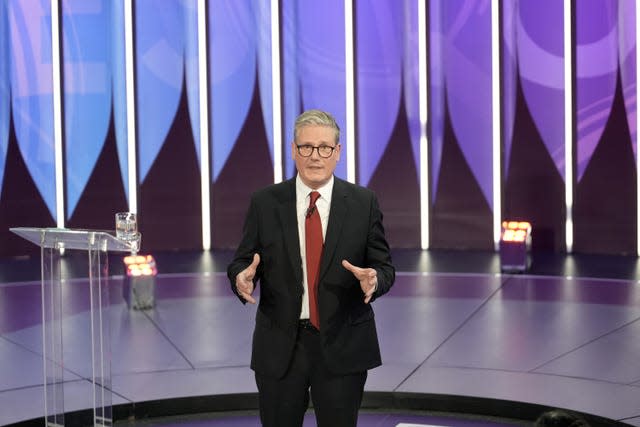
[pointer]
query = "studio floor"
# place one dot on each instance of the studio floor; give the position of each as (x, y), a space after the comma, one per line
(463, 344)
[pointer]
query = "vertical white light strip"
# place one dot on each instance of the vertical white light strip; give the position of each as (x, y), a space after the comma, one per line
(568, 124)
(203, 96)
(276, 97)
(636, 23)
(423, 108)
(495, 112)
(57, 112)
(131, 102)
(350, 91)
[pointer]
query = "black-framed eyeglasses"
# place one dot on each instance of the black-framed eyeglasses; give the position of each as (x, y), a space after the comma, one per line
(324, 151)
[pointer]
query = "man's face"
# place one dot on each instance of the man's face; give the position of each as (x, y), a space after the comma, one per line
(315, 170)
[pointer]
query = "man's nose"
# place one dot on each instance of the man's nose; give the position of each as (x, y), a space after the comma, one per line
(315, 153)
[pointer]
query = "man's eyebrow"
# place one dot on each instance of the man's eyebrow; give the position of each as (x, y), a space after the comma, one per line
(321, 143)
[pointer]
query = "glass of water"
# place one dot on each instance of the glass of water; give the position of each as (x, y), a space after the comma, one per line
(126, 226)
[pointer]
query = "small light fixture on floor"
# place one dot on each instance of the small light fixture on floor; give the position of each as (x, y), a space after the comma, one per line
(515, 241)
(139, 287)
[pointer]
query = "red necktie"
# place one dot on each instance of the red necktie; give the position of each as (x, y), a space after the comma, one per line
(313, 241)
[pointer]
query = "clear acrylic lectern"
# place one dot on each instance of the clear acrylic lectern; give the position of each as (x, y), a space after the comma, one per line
(97, 244)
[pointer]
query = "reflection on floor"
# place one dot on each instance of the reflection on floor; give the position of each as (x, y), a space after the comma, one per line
(455, 334)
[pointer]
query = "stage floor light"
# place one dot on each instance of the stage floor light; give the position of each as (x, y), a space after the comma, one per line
(139, 287)
(515, 242)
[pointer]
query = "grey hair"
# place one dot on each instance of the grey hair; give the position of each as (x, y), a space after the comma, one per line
(317, 118)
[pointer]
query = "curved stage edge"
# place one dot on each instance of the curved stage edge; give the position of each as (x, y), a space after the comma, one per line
(458, 407)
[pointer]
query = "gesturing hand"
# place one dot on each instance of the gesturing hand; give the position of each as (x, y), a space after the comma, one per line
(244, 280)
(368, 278)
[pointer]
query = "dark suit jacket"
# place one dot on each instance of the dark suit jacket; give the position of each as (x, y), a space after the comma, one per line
(355, 233)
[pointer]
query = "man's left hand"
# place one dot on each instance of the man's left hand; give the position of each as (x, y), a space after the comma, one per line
(368, 278)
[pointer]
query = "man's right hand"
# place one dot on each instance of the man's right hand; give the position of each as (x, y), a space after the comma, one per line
(244, 280)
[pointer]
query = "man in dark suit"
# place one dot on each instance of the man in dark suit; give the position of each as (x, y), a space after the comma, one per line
(317, 246)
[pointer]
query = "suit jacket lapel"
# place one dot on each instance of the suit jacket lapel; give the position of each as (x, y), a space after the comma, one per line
(289, 223)
(337, 214)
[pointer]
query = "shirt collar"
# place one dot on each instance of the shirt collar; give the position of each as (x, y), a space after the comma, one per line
(302, 190)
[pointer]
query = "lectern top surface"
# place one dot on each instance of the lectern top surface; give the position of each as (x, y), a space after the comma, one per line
(73, 239)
